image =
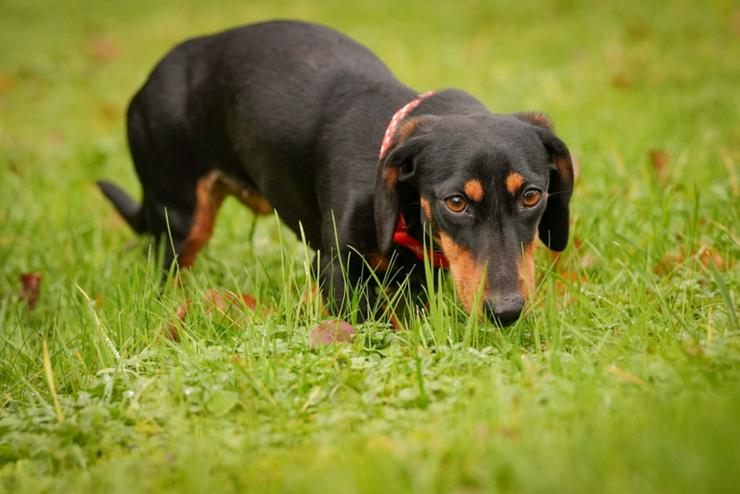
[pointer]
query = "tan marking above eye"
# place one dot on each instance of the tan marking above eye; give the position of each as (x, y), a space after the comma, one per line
(531, 197)
(514, 182)
(456, 204)
(474, 190)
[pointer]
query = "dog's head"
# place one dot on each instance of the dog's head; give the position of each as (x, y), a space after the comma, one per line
(486, 184)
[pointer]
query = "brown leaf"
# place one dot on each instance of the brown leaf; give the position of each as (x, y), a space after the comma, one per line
(30, 288)
(331, 331)
(102, 48)
(508, 432)
(171, 330)
(622, 80)
(109, 112)
(214, 300)
(667, 263)
(708, 257)
(660, 159)
(248, 300)
(8, 82)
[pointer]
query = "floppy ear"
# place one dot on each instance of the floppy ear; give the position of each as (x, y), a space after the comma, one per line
(553, 227)
(397, 166)
(535, 118)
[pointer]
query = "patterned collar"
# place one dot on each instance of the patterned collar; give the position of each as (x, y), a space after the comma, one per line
(401, 236)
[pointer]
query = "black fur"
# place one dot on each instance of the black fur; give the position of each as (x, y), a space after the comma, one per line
(295, 112)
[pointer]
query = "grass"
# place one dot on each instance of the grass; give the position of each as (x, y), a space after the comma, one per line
(623, 378)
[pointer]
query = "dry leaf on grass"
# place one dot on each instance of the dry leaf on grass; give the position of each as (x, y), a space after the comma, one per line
(30, 288)
(667, 263)
(705, 254)
(102, 48)
(331, 331)
(660, 159)
(622, 80)
(8, 82)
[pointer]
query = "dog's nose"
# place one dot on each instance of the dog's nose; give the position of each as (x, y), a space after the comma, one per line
(505, 310)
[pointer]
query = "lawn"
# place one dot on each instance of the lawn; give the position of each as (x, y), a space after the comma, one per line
(624, 376)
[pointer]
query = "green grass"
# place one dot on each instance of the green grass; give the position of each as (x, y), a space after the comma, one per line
(624, 377)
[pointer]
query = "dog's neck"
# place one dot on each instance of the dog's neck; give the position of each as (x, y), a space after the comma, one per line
(410, 231)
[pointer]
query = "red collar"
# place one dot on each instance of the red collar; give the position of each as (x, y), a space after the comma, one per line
(401, 236)
(390, 131)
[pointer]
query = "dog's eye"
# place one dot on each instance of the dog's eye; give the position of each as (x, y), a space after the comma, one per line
(456, 204)
(531, 198)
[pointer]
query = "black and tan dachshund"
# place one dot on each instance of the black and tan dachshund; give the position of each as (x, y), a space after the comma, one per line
(290, 116)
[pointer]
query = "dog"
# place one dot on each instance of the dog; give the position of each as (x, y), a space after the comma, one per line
(297, 118)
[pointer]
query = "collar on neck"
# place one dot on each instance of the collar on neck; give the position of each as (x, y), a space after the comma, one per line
(401, 236)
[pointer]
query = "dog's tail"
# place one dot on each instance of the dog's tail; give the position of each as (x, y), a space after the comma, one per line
(124, 204)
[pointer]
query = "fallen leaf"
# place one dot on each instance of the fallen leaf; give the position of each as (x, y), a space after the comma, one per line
(214, 300)
(249, 300)
(102, 48)
(109, 112)
(660, 158)
(30, 288)
(667, 263)
(622, 80)
(331, 331)
(171, 330)
(508, 432)
(8, 83)
(707, 256)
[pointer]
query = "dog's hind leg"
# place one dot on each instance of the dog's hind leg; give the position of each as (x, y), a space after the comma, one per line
(209, 195)
(182, 191)
(183, 225)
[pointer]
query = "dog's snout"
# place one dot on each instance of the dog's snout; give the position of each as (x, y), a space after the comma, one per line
(505, 310)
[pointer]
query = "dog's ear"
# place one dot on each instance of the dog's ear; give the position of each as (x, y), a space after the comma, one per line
(535, 118)
(553, 227)
(397, 166)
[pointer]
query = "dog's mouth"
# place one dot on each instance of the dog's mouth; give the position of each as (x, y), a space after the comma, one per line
(477, 289)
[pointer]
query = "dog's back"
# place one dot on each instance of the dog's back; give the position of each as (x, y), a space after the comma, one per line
(259, 103)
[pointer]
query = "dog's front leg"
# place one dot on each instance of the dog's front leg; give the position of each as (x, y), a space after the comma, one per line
(346, 285)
